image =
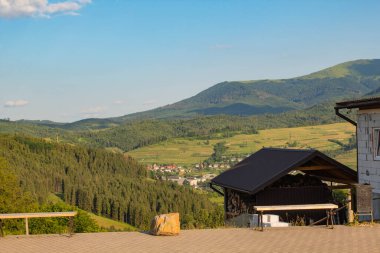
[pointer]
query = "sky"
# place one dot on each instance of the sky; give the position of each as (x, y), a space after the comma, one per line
(68, 60)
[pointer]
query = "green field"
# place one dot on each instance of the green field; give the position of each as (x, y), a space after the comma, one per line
(111, 225)
(184, 151)
(348, 158)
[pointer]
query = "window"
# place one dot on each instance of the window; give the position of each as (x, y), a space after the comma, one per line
(376, 143)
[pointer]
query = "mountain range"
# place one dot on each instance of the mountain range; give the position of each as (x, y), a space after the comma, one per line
(353, 79)
(264, 104)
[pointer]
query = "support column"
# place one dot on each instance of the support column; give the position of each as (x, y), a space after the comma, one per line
(26, 226)
(71, 226)
(350, 212)
(1, 228)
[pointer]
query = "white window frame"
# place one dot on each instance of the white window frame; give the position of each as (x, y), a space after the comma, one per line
(376, 143)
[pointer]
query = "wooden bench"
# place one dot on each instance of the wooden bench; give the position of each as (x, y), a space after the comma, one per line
(328, 207)
(27, 216)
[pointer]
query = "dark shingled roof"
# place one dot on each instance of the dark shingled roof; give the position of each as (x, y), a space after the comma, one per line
(269, 164)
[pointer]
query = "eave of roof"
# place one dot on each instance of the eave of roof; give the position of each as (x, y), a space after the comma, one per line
(373, 102)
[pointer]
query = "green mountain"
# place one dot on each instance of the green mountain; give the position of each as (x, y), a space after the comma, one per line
(346, 80)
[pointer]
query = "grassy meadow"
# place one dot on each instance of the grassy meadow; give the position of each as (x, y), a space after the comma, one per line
(184, 151)
(348, 158)
(111, 225)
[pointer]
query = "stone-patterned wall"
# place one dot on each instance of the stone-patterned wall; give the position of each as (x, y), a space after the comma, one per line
(368, 167)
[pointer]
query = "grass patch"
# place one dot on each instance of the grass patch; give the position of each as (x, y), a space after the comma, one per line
(111, 225)
(105, 224)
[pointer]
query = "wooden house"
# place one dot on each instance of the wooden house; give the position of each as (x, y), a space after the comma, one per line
(281, 177)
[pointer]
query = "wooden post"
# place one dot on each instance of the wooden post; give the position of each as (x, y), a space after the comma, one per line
(261, 221)
(332, 218)
(26, 226)
(350, 212)
(71, 226)
(1, 228)
(225, 204)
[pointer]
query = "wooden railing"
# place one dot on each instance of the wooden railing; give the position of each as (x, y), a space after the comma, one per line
(27, 216)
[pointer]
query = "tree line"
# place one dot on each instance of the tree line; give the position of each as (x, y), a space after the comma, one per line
(133, 134)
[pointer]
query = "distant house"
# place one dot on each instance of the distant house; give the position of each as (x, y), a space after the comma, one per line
(171, 167)
(191, 181)
(267, 178)
(368, 143)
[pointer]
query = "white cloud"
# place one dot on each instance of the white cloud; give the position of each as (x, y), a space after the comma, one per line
(16, 103)
(39, 8)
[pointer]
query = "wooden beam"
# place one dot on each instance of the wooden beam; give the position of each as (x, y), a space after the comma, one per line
(296, 207)
(215, 189)
(36, 215)
(316, 167)
(335, 180)
(27, 216)
(337, 187)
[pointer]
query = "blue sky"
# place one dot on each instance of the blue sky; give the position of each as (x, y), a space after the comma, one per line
(68, 60)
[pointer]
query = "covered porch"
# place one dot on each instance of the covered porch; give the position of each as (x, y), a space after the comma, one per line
(284, 177)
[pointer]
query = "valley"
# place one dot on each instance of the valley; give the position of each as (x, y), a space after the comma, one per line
(109, 168)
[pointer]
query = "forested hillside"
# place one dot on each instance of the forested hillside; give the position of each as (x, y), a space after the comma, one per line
(15, 199)
(102, 182)
(138, 133)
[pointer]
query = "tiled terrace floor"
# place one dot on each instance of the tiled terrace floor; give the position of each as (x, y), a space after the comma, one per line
(296, 239)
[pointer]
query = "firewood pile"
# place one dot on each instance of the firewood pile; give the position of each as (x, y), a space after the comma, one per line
(298, 180)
